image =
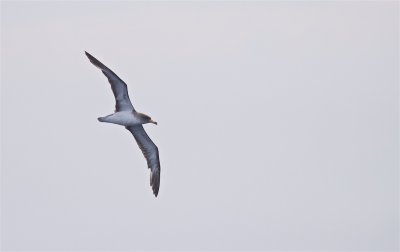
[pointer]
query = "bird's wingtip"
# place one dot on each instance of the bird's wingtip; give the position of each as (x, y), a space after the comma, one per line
(88, 54)
(155, 182)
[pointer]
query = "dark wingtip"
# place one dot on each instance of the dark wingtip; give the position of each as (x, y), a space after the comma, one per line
(95, 61)
(89, 56)
(155, 189)
(155, 182)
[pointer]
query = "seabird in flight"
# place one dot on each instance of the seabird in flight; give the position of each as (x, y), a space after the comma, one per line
(133, 121)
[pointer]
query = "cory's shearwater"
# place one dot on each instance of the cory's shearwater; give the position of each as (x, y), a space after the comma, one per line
(133, 121)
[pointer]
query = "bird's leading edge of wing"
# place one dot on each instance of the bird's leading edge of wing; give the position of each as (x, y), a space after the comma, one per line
(150, 152)
(118, 86)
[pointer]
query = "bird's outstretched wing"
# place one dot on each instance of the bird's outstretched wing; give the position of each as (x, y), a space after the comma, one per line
(150, 152)
(118, 86)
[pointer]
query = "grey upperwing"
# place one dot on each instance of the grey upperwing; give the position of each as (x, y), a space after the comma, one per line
(150, 152)
(118, 86)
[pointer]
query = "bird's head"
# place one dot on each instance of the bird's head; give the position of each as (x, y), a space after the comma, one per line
(147, 119)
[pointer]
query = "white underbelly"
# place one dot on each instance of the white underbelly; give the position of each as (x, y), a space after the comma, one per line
(125, 118)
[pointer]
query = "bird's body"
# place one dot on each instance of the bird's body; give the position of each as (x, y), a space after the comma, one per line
(126, 115)
(125, 118)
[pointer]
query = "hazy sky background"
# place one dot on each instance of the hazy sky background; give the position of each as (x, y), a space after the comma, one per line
(278, 125)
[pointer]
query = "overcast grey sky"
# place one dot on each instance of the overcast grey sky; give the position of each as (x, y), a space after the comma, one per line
(278, 125)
